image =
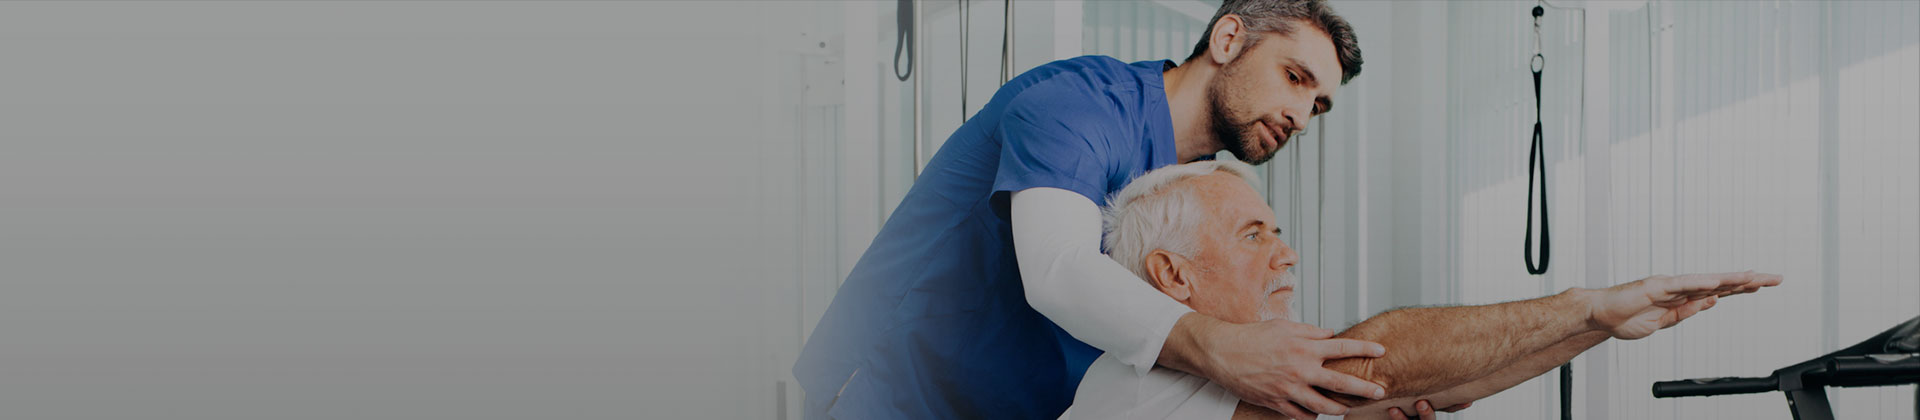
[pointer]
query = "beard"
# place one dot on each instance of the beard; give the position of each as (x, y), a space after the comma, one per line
(1285, 279)
(1236, 133)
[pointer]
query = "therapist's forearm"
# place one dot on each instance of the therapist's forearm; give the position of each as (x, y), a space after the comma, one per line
(1432, 349)
(1182, 350)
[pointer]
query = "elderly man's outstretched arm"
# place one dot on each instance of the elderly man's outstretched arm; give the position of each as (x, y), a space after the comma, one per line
(1225, 259)
(1431, 351)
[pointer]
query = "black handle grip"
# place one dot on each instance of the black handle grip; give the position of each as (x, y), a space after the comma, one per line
(1875, 364)
(1713, 386)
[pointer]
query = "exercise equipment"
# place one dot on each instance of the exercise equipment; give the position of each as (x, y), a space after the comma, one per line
(1890, 358)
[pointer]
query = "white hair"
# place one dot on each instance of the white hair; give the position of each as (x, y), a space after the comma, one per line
(1153, 213)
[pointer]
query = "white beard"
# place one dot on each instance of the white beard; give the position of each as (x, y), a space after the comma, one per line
(1285, 279)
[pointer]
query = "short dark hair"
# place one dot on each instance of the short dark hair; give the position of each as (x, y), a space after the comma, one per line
(1279, 16)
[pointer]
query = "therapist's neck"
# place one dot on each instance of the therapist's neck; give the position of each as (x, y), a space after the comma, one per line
(1187, 100)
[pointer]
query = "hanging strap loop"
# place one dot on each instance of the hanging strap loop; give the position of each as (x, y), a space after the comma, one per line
(1537, 166)
(903, 40)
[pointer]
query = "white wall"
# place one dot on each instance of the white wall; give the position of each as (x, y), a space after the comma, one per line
(430, 209)
(1704, 136)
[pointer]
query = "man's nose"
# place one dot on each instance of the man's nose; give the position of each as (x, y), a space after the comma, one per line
(1297, 116)
(1284, 257)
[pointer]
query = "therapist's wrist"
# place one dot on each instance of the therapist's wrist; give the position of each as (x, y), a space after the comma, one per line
(1185, 348)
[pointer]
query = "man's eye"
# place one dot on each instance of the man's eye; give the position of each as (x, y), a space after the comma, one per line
(1253, 236)
(1293, 77)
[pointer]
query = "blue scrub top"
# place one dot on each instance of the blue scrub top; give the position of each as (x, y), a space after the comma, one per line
(933, 317)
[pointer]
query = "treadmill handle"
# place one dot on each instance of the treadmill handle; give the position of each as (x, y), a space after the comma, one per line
(1894, 364)
(1714, 386)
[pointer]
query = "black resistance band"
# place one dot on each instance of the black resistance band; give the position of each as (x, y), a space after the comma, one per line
(966, 23)
(903, 18)
(1537, 165)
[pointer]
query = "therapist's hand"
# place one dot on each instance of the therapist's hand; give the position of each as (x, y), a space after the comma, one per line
(1426, 410)
(1277, 364)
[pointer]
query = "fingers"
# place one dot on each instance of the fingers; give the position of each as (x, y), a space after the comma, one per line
(1336, 381)
(1307, 397)
(1341, 348)
(1457, 407)
(1309, 331)
(1426, 410)
(1685, 311)
(1760, 280)
(1715, 282)
(1738, 283)
(1299, 329)
(1695, 286)
(1395, 414)
(1293, 411)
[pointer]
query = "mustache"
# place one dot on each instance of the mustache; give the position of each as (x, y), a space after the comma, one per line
(1287, 130)
(1285, 279)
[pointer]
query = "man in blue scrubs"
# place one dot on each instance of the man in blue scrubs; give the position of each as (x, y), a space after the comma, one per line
(985, 294)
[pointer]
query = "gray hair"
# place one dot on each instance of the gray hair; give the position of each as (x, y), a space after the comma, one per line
(1278, 16)
(1152, 213)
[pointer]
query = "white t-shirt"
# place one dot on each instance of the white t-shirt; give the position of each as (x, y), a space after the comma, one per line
(1113, 390)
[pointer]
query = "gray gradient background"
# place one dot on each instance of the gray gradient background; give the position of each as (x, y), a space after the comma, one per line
(324, 210)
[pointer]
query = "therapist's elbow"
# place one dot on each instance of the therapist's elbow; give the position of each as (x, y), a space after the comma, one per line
(1042, 296)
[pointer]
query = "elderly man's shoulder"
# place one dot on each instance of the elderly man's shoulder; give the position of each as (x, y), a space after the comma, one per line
(1114, 390)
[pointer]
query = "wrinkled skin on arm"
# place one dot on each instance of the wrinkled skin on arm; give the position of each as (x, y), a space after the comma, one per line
(1456, 355)
(1432, 349)
(1501, 380)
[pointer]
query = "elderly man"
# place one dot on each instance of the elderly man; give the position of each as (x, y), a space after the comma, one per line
(1199, 233)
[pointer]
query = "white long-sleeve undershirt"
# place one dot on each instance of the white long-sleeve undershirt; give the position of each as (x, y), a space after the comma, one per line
(1056, 237)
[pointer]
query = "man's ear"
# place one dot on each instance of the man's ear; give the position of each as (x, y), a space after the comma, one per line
(1167, 272)
(1228, 39)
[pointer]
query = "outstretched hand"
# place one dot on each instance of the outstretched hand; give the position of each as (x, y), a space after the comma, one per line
(1635, 310)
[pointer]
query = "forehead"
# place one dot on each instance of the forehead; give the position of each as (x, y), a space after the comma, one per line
(1308, 45)
(1230, 199)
